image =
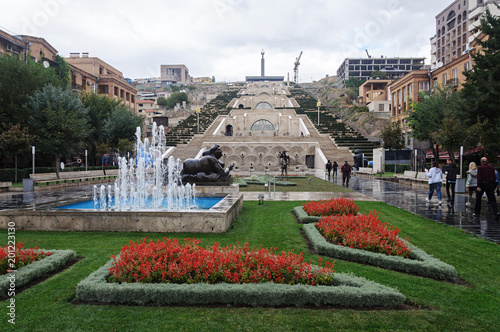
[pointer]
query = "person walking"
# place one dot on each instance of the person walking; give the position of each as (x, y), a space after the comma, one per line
(346, 174)
(335, 166)
(472, 182)
(329, 168)
(486, 179)
(435, 175)
(451, 179)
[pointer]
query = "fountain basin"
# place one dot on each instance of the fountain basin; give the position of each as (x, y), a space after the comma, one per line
(214, 220)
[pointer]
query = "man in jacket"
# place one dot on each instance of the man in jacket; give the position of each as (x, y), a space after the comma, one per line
(451, 178)
(486, 179)
(346, 174)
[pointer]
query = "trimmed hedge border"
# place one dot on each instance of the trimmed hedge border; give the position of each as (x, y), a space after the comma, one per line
(351, 291)
(419, 263)
(303, 217)
(38, 269)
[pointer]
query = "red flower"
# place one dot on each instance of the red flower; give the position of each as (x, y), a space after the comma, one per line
(173, 262)
(365, 232)
(335, 206)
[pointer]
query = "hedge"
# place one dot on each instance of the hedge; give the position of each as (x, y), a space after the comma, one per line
(349, 291)
(38, 269)
(303, 217)
(419, 263)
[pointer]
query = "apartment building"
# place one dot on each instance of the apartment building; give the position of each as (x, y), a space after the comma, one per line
(374, 94)
(171, 74)
(35, 47)
(453, 72)
(476, 10)
(403, 92)
(362, 68)
(456, 28)
(109, 80)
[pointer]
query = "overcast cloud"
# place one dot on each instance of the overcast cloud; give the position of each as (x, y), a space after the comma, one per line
(224, 38)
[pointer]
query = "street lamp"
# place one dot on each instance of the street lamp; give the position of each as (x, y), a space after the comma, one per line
(318, 104)
(198, 119)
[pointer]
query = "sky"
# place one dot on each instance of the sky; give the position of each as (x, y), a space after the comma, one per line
(224, 38)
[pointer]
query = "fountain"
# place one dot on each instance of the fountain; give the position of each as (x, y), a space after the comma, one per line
(145, 182)
(148, 196)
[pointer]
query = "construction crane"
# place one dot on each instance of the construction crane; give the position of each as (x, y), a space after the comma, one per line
(296, 69)
(369, 56)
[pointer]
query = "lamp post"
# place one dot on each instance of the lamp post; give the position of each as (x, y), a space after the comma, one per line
(85, 160)
(318, 104)
(33, 152)
(198, 119)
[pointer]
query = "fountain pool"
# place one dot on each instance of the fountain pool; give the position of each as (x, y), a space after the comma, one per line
(147, 196)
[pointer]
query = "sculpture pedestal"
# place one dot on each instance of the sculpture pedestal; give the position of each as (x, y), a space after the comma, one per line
(207, 190)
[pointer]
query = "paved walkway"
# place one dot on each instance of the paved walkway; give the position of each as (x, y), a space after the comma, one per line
(403, 196)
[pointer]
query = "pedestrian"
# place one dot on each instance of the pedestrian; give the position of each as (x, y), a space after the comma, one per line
(329, 168)
(472, 182)
(435, 175)
(486, 179)
(335, 166)
(451, 179)
(346, 174)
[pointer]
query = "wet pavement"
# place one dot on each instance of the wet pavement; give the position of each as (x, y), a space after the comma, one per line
(410, 198)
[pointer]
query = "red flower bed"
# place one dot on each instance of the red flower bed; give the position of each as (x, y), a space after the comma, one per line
(169, 261)
(365, 232)
(15, 259)
(335, 206)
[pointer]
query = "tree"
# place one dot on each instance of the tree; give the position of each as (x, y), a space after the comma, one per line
(100, 108)
(354, 82)
(425, 118)
(15, 140)
(20, 78)
(437, 119)
(378, 74)
(162, 101)
(393, 140)
(481, 90)
(122, 124)
(125, 146)
(213, 79)
(58, 120)
(176, 97)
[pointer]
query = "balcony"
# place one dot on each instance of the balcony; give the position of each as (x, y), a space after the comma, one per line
(452, 81)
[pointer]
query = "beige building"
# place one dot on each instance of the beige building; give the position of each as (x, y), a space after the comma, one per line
(452, 33)
(35, 47)
(456, 28)
(110, 81)
(171, 74)
(453, 72)
(403, 92)
(11, 45)
(374, 94)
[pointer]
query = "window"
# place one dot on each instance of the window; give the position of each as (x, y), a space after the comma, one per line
(455, 73)
(444, 78)
(466, 66)
(263, 105)
(423, 86)
(262, 125)
(381, 107)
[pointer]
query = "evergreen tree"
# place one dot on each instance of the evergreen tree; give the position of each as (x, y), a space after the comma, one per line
(59, 122)
(481, 91)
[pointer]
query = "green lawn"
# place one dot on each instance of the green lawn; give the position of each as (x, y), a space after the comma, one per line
(435, 305)
(303, 185)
